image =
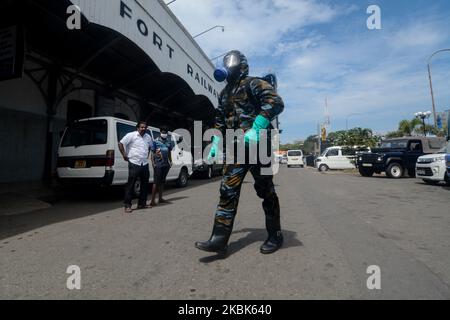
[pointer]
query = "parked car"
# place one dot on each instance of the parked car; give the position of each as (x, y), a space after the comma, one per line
(397, 156)
(295, 158)
(278, 158)
(284, 160)
(89, 154)
(336, 158)
(205, 170)
(432, 168)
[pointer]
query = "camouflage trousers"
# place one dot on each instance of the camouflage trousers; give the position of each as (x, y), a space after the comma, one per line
(230, 191)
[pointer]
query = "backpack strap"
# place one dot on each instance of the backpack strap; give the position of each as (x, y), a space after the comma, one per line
(249, 92)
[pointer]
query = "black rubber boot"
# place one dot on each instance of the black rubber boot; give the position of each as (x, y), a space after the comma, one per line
(273, 226)
(273, 243)
(219, 239)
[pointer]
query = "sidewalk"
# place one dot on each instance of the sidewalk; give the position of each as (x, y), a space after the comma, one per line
(24, 197)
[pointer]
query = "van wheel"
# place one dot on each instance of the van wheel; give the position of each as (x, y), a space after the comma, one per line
(182, 180)
(323, 168)
(395, 171)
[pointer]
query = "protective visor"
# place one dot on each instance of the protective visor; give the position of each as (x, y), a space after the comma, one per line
(231, 60)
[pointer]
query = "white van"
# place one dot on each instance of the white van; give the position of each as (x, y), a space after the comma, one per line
(295, 158)
(335, 158)
(89, 154)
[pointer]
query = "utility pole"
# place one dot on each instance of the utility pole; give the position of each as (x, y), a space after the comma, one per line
(431, 84)
(319, 137)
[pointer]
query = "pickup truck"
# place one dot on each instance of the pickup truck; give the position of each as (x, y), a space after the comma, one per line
(398, 156)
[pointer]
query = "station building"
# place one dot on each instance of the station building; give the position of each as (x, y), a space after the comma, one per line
(130, 59)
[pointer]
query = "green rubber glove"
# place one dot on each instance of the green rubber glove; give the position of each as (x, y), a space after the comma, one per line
(214, 148)
(252, 135)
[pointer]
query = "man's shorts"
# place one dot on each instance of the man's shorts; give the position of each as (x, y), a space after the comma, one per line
(161, 175)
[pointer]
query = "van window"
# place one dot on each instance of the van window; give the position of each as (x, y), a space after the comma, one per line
(295, 154)
(333, 152)
(156, 134)
(86, 133)
(123, 129)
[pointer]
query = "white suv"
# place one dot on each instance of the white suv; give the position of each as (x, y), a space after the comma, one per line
(431, 168)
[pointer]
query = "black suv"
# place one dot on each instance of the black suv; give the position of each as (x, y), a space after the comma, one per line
(397, 156)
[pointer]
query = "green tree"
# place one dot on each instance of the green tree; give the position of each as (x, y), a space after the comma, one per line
(354, 137)
(407, 128)
(310, 143)
(298, 144)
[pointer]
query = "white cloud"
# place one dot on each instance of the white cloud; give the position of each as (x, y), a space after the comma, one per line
(255, 27)
(380, 74)
(417, 35)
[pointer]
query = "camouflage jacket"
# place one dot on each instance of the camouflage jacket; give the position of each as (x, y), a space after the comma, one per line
(241, 103)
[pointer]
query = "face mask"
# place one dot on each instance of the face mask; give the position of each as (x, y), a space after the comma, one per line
(231, 63)
(164, 135)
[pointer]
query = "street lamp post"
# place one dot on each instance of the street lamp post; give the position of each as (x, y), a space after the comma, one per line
(431, 83)
(423, 116)
(351, 114)
(223, 30)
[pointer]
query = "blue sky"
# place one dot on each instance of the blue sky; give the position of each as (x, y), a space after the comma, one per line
(323, 49)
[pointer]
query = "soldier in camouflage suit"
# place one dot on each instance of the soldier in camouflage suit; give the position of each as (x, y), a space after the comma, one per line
(249, 104)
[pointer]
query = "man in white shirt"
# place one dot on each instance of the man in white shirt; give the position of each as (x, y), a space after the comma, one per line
(135, 149)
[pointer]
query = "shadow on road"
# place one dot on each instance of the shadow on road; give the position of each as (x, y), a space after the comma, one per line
(441, 184)
(76, 203)
(253, 235)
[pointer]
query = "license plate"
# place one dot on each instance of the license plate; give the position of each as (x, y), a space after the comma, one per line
(421, 172)
(294, 159)
(367, 165)
(80, 164)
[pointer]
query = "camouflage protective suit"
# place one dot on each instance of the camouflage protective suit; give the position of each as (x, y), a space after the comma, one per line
(240, 103)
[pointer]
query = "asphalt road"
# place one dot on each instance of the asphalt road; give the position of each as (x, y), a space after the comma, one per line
(335, 226)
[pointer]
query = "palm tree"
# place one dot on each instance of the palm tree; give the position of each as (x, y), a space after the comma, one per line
(407, 128)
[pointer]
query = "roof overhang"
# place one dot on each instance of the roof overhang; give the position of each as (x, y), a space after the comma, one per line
(158, 67)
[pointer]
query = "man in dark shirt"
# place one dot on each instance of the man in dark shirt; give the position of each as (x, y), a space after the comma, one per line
(161, 160)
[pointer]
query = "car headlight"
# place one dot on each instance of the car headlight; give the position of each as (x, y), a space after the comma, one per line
(439, 159)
